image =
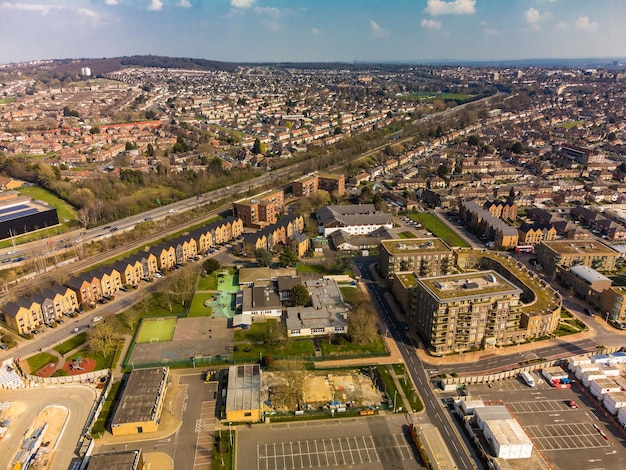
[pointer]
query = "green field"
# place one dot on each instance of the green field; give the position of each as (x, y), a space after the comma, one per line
(71, 344)
(6, 100)
(65, 211)
(39, 361)
(569, 124)
(198, 309)
(438, 229)
(161, 329)
(406, 234)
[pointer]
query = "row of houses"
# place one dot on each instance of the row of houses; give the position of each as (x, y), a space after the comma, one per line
(480, 220)
(288, 231)
(27, 314)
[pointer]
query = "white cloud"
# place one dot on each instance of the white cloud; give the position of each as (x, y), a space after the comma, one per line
(491, 32)
(272, 12)
(430, 24)
(241, 3)
(111, 2)
(454, 7)
(315, 31)
(534, 17)
(36, 7)
(377, 30)
(155, 5)
(585, 24)
(184, 4)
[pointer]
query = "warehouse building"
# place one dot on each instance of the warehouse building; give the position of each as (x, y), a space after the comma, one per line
(139, 408)
(243, 398)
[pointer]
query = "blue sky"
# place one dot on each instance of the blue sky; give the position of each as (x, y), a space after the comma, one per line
(313, 30)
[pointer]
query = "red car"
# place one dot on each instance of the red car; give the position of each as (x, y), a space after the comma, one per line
(572, 404)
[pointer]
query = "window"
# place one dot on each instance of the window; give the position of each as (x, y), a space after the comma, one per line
(247, 414)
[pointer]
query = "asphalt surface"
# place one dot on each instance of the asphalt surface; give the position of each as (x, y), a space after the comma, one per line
(456, 442)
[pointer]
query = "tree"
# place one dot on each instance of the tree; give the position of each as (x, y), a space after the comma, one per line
(299, 295)
(292, 371)
(258, 147)
(102, 338)
(517, 148)
(362, 326)
(263, 257)
(287, 258)
(150, 150)
(211, 265)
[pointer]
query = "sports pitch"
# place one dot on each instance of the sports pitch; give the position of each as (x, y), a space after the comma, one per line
(156, 330)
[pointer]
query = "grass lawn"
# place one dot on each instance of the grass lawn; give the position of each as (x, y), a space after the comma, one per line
(207, 282)
(291, 348)
(6, 100)
(70, 344)
(438, 229)
(160, 329)
(569, 124)
(257, 331)
(222, 451)
(197, 308)
(38, 361)
(312, 268)
(565, 329)
(65, 211)
(102, 362)
(107, 407)
(341, 347)
(406, 234)
(352, 296)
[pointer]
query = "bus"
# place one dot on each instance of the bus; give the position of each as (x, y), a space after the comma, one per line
(526, 377)
(524, 249)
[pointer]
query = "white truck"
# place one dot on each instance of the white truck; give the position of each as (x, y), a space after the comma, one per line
(526, 377)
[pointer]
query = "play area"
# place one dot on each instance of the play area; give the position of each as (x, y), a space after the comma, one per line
(156, 330)
(76, 366)
(223, 302)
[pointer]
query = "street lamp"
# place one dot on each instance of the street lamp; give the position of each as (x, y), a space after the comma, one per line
(230, 432)
(395, 393)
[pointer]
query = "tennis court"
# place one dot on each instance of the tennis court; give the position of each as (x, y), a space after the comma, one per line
(155, 330)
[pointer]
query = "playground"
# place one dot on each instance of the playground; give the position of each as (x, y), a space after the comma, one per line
(156, 330)
(223, 302)
(80, 365)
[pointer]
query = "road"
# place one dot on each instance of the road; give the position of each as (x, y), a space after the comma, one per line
(457, 445)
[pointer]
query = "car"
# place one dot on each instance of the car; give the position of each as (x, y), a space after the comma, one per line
(113, 229)
(59, 320)
(96, 319)
(586, 311)
(4, 347)
(171, 211)
(572, 404)
(18, 259)
(124, 289)
(6, 260)
(106, 227)
(76, 330)
(146, 219)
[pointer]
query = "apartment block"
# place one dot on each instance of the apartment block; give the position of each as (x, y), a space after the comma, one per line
(425, 256)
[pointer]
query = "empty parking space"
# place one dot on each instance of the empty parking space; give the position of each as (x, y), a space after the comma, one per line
(345, 451)
(543, 406)
(566, 436)
(205, 426)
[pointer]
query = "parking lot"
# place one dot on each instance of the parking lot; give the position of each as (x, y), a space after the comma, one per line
(566, 436)
(363, 443)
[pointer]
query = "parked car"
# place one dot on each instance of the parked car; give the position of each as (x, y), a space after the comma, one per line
(75, 330)
(124, 289)
(572, 404)
(96, 319)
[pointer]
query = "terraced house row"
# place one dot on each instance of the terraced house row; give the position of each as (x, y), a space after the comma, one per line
(27, 314)
(286, 232)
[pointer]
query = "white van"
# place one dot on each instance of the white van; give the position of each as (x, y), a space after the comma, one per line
(526, 377)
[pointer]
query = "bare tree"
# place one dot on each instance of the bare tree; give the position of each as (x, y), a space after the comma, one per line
(293, 372)
(102, 338)
(362, 325)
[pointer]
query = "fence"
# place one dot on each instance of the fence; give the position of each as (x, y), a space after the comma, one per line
(478, 379)
(68, 379)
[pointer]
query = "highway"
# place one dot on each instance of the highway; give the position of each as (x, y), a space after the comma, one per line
(457, 445)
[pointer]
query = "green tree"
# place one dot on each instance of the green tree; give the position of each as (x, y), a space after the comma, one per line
(94, 130)
(299, 295)
(362, 325)
(263, 257)
(150, 150)
(211, 265)
(287, 257)
(517, 148)
(258, 147)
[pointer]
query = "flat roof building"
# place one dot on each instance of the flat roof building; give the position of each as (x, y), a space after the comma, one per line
(139, 408)
(566, 253)
(124, 460)
(243, 398)
(461, 311)
(426, 256)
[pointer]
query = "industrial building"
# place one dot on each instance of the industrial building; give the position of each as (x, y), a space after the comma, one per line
(124, 460)
(243, 397)
(20, 215)
(139, 408)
